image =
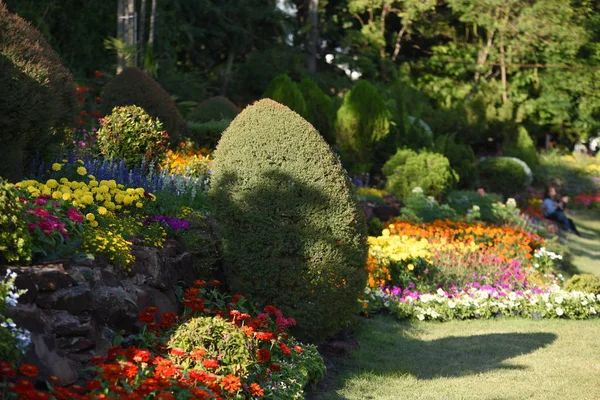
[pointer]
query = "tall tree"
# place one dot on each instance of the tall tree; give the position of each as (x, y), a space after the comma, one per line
(313, 35)
(142, 31)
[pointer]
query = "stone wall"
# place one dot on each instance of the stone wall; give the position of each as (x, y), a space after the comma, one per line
(74, 311)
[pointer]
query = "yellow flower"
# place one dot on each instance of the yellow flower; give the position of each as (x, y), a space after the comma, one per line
(56, 195)
(99, 197)
(410, 267)
(63, 180)
(93, 224)
(87, 199)
(102, 210)
(66, 196)
(51, 183)
(92, 177)
(81, 170)
(90, 217)
(139, 205)
(80, 162)
(93, 183)
(56, 166)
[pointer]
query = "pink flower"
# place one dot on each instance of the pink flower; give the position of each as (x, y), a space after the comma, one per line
(75, 215)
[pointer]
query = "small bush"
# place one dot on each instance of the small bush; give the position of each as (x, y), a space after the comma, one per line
(462, 159)
(285, 91)
(419, 208)
(214, 109)
(586, 283)
(130, 134)
(15, 242)
(320, 111)
(462, 201)
(134, 87)
(523, 148)
(207, 134)
(362, 121)
(37, 95)
(292, 234)
(407, 170)
(503, 175)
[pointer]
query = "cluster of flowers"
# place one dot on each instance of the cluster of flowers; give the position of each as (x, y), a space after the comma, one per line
(587, 199)
(476, 301)
(175, 224)
(186, 160)
(13, 339)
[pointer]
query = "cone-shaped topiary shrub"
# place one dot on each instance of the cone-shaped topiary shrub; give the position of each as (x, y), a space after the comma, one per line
(462, 159)
(37, 95)
(135, 87)
(285, 91)
(291, 231)
(214, 109)
(523, 148)
(320, 111)
(362, 121)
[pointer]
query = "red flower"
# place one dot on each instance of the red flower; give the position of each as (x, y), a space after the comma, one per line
(98, 100)
(93, 385)
(29, 370)
(211, 364)
(130, 370)
(168, 319)
(215, 282)
(197, 354)
(111, 372)
(256, 390)
(231, 383)
(285, 349)
(98, 74)
(141, 356)
(74, 215)
(199, 283)
(178, 352)
(298, 349)
(165, 396)
(23, 385)
(275, 367)
(271, 310)
(263, 355)
(6, 369)
(200, 394)
(265, 336)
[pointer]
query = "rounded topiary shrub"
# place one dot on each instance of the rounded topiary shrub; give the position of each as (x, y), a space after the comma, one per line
(285, 91)
(206, 134)
(14, 236)
(130, 134)
(503, 175)
(292, 234)
(362, 121)
(461, 157)
(320, 111)
(216, 339)
(586, 283)
(217, 108)
(407, 170)
(37, 95)
(135, 87)
(523, 148)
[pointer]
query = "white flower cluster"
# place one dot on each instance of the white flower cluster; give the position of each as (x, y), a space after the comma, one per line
(11, 295)
(542, 252)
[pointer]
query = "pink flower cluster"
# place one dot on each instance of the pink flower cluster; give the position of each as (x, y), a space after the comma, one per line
(587, 199)
(44, 213)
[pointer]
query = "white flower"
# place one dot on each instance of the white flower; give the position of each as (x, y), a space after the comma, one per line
(421, 317)
(592, 310)
(511, 202)
(417, 189)
(451, 304)
(558, 300)
(440, 292)
(584, 303)
(476, 208)
(559, 311)
(512, 296)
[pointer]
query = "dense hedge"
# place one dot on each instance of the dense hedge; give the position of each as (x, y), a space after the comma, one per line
(284, 90)
(291, 231)
(461, 156)
(134, 87)
(37, 95)
(217, 108)
(503, 175)
(319, 107)
(523, 148)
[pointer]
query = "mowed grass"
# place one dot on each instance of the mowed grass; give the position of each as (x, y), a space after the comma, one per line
(495, 359)
(586, 249)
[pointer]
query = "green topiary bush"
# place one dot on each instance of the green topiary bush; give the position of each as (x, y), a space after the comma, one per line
(135, 87)
(586, 283)
(129, 134)
(462, 201)
(37, 95)
(503, 175)
(407, 170)
(523, 148)
(362, 121)
(292, 234)
(320, 111)
(462, 159)
(285, 91)
(207, 134)
(214, 109)
(15, 241)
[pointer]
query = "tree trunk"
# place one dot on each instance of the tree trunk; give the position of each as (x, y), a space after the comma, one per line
(120, 33)
(152, 25)
(503, 69)
(142, 32)
(401, 33)
(313, 36)
(483, 55)
(227, 71)
(131, 31)
(384, 14)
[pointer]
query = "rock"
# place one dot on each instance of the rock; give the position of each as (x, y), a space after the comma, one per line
(46, 277)
(104, 340)
(149, 264)
(64, 324)
(165, 302)
(50, 360)
(75, 299)
(114, 306)
(75, 344)
(108, 278)
(28, 316)
(385, 212)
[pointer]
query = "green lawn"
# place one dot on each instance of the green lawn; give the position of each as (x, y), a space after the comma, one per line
(587, 248)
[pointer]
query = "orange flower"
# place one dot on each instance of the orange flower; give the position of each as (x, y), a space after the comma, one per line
(210, 364)
(256, 390)
(197, 353)
(29, 370)
(231, 383)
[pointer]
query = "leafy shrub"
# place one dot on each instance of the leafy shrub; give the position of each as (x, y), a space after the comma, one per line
(199, 240)
(214, 109)
(285, 91)
(362, 121)
(291, 232)
(523, 148)
(463, 201)
(462, 159)
(407, 170)
(38, 98)
(420, 208)
(503, 175)
(586, 283)
(320, 111)
(15, 246)
(130, 134)
(134, 87)
(207, 134)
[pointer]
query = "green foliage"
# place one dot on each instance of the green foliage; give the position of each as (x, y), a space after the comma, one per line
(407, 170)
(285, 91)
(130, 134)
(206, 134)
(292, 234)
(134, 87)
(420, 208)
(37, 100)
(320, 111)
(200, 241)
(15, 242)
(221, 339)
(523, 148)
(463, 201)
(586, 283)
(362, 121)
(461, 157)
(217, 108)
(502, 175)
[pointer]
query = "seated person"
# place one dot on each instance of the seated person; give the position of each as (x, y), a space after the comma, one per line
(553, 208)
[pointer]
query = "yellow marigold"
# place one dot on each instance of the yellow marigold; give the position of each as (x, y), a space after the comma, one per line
(81, 171)
(52, 183)
(56, 166)
(94, 224)
(139, 205)
(56, 195)
(102, 210)
(90, 217)
(66, 196)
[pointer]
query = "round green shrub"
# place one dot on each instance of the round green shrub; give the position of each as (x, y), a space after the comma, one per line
(207, 134)
(320, 111)
(135, 87)
(292, 234)
(15, 242)
(362, 121)
(214, 109)
(129, 134)
(221, 340)
(461, 157)
(586, 283)
(407, 170)
(37, 95)
(285, 91)
(503, 175)
(462, 201)
(523, 148)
